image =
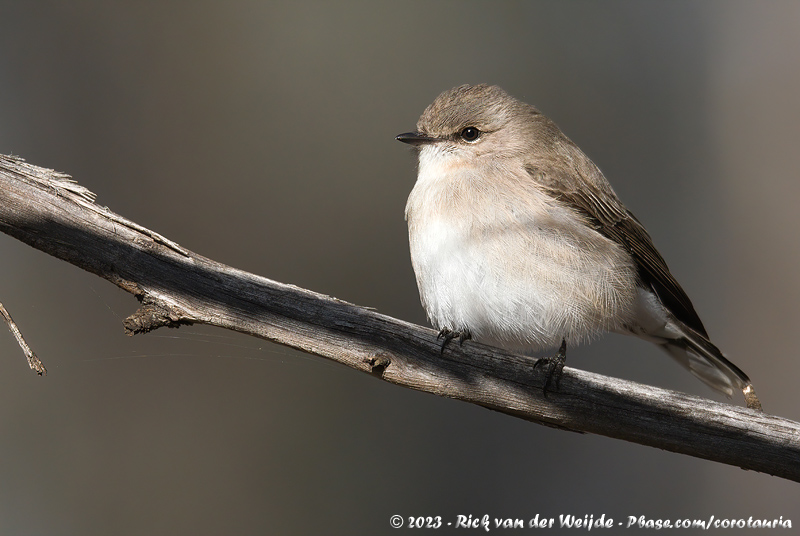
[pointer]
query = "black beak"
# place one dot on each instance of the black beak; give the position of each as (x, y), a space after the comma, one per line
(415, 138)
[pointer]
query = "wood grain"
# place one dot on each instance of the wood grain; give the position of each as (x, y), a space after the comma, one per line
(52, 213)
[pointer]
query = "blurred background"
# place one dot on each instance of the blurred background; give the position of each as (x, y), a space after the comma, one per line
(261, 135)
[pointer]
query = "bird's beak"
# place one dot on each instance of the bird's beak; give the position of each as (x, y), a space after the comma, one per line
(415, 138)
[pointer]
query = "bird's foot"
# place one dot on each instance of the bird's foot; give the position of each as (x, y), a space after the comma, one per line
(555, 366)
(448, 335)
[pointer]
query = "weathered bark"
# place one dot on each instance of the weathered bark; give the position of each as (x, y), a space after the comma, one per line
(175, 286)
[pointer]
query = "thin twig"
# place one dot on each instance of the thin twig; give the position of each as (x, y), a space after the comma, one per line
(33, 361)
(176, 286)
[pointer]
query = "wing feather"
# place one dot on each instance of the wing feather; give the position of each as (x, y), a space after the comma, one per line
(593, 198)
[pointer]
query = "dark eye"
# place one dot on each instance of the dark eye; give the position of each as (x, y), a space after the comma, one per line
(470, 134)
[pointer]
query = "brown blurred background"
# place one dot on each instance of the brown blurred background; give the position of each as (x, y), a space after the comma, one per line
(261, 135)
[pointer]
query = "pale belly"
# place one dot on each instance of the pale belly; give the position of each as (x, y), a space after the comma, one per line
(520, 285)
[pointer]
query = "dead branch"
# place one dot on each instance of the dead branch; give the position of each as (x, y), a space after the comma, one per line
(50, 212)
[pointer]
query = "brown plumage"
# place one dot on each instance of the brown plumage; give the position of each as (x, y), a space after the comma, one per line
(518, 240)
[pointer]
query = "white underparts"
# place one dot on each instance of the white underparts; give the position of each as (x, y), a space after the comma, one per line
(497, 256)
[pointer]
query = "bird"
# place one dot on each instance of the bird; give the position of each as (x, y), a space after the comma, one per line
(518, 241)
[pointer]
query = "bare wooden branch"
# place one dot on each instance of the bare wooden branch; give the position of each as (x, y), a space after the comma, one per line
(175, 286)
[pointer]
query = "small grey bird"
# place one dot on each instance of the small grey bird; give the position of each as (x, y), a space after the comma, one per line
(518, 241)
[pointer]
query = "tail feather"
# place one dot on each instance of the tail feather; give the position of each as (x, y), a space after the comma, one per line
(706, 362)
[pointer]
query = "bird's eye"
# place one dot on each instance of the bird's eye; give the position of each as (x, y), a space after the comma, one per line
(470, 134)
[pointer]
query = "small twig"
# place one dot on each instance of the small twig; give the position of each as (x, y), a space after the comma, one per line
(34, 362)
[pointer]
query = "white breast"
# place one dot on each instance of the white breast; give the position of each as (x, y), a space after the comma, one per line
(502, 259)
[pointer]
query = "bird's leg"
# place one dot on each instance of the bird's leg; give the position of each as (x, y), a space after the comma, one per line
(448, 335)
(555, 366)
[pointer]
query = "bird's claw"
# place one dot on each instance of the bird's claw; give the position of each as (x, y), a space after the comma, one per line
(555, 367)
(448, 335)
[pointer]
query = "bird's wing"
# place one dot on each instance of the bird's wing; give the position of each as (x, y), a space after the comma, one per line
(594, 199)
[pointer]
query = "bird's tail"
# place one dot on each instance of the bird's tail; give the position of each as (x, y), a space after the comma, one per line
(700, 357)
